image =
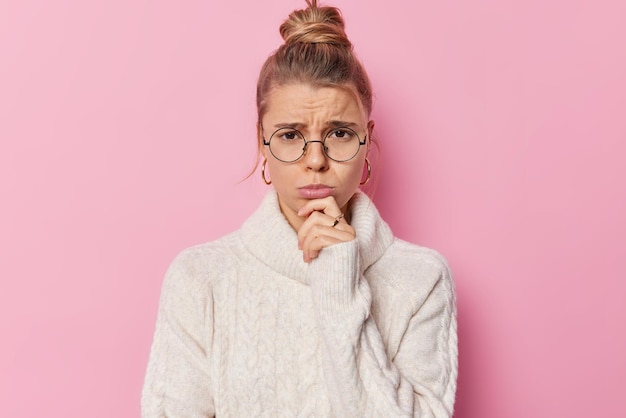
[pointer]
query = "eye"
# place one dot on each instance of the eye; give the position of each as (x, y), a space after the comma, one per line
(343, 134)
(288, 136)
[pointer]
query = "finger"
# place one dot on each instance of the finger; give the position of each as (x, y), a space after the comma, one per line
(310, 255)
(327, 205)
(323, 236)
(314, 218)
(319, 219)
(320, 237)
(314, 245)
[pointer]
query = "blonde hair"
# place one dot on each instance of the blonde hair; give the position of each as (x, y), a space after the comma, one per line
(316, 51)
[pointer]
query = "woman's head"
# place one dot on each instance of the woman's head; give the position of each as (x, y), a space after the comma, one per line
(314, 102)
(316, 52)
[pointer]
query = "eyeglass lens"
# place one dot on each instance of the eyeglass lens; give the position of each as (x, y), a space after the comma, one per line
(340, 144)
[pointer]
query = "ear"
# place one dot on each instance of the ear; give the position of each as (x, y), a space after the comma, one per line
(259, 134)
(370, 133)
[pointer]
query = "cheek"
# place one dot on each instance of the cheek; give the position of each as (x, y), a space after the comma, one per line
(357, 173)
(359, 170)
(279, 173)
(352, 176)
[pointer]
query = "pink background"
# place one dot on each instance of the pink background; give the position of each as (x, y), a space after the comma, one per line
(126, 128)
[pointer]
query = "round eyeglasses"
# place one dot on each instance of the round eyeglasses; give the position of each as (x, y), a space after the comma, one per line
(340, 144)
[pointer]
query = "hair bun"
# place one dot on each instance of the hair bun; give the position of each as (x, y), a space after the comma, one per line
(315, 25)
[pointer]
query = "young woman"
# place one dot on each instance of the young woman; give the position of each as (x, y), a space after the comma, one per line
(313, 307)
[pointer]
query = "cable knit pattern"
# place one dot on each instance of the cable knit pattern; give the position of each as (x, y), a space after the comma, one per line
(247, 329)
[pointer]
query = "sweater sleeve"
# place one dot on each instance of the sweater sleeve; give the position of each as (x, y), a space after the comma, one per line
(178, 382)
(420, 381)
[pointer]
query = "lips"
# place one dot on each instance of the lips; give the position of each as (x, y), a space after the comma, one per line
(316, 191)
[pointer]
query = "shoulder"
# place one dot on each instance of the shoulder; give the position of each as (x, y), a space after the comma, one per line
(413, 270)
(427, 262)
(203, 264)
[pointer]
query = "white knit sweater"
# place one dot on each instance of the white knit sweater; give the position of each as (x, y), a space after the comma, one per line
(247, 329)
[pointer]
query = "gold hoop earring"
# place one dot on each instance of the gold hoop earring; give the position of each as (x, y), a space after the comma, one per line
(369, 172)
(263, 173)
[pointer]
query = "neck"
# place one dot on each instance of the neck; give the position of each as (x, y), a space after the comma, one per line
(292, 217)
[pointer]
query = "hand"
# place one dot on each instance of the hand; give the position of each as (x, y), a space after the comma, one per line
(317, 231)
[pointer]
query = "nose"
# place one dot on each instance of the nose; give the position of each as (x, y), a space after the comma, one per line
(314, 156)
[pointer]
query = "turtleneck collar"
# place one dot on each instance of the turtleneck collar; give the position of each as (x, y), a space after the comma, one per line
(270, 238)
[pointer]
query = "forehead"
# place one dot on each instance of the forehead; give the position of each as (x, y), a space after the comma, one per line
(308, 104)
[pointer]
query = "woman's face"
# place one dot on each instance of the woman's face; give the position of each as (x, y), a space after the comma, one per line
(314, 111)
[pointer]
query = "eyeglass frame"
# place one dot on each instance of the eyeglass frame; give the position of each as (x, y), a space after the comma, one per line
(306, 142)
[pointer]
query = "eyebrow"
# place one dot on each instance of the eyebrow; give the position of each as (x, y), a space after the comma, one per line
(341, 123)
(329, 124)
